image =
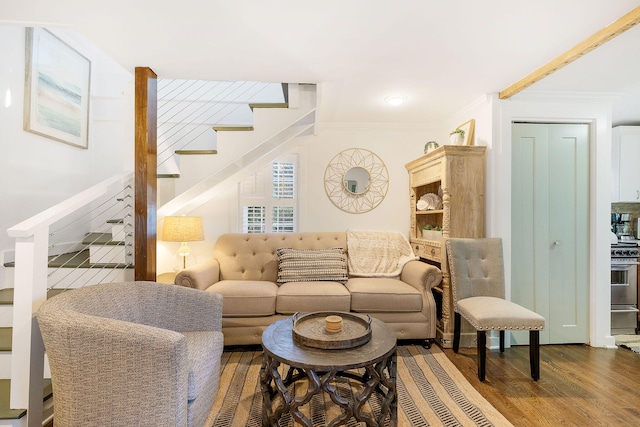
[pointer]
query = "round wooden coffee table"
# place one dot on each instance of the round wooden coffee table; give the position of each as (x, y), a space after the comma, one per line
(319, 367)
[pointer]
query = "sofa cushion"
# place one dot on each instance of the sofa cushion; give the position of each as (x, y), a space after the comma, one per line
(246, 297)
(204, 349)
(311, 265)
(381, 294)
(312, 296)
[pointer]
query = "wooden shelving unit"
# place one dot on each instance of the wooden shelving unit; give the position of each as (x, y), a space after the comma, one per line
(457, 174)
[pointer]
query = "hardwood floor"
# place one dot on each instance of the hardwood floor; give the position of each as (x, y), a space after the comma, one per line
(579, 385)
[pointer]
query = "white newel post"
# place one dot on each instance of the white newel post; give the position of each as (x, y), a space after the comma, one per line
(27, 359)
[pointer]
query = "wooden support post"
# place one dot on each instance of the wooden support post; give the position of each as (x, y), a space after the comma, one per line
(146, 164)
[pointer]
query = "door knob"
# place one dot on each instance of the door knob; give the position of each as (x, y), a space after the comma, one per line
(556, 243)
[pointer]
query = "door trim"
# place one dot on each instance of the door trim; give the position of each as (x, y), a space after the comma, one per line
(554, 108)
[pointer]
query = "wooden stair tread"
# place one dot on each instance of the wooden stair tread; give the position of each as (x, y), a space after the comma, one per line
(233, 128)
(5, 339)
(193, 152)
(6, 296)
(101, 239)
(6, 333)
(269, 105)
(115, 221)
(168, 175)
(13, 414)
(75, 260)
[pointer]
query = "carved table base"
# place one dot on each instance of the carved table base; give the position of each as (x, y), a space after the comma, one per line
(369, 370)
(378, 378)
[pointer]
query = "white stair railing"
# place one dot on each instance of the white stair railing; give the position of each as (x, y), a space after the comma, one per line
(30, 288)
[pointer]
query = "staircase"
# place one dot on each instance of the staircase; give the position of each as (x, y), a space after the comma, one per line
(15, 417)
(240, 150)
(229, 149)
(191, 112)
(100, 256)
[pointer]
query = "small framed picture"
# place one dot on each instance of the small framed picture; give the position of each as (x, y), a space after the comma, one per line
(468, 128)
(57, 79)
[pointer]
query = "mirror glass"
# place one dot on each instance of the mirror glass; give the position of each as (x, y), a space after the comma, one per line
(356, 180)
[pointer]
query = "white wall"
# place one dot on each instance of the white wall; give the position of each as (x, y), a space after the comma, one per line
(395, 145)
(37, 172)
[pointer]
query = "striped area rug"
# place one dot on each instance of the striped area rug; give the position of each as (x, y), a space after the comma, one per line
(632, 342)
(431, 392)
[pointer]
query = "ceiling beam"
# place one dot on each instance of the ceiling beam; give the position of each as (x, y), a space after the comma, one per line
(607, 33)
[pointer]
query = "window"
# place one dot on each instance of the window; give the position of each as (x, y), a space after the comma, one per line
(253, 219)
(283, 180)
(270, 205)
(282, 219)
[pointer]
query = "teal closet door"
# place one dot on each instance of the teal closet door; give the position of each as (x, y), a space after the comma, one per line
(549, 217)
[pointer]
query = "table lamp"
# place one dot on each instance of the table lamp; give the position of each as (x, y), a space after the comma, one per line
(183, 229)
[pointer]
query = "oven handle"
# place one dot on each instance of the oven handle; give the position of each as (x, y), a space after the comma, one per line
(621, 266)
(626, 310)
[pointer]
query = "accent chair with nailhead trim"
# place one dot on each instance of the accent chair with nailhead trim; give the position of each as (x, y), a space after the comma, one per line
(477, 284)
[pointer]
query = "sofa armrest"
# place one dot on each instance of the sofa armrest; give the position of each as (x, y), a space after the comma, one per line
(199, 276)
(421, 275)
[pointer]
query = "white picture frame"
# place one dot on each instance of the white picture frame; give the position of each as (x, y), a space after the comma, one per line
(57, 82)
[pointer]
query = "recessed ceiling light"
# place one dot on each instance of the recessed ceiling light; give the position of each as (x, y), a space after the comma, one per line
(395, 99)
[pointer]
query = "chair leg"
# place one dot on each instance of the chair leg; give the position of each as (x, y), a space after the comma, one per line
(482, 354)
(534, 354)
(456, 332)
(501, 341)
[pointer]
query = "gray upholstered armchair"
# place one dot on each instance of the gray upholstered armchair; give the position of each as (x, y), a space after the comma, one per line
(135, 353)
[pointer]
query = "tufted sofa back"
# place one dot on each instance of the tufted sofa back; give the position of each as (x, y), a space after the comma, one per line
(253, 256)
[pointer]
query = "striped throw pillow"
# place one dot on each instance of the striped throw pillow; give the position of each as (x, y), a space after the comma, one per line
(312, 265)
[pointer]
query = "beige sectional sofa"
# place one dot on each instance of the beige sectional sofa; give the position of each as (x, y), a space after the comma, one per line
(245, 271)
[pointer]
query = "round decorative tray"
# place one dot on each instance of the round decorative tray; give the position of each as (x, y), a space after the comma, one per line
(309, 330)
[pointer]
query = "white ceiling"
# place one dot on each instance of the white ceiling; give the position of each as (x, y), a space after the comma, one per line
(442, 55)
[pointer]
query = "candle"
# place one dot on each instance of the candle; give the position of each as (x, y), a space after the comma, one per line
(333, 323)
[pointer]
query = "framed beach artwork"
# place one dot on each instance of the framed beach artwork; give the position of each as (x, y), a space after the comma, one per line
(57, 79)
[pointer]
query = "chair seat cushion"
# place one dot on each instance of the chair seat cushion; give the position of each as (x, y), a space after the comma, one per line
(312, 296)
(490, 313)
(381, 294)
(204, 349)
(246, 298)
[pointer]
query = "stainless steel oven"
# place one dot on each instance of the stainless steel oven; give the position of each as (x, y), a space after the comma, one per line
(624, 288)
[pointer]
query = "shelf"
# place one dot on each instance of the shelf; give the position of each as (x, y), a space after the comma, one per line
(431, 212)
(459, 172)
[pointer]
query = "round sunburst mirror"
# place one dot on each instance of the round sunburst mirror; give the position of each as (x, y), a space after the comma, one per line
(356, 180)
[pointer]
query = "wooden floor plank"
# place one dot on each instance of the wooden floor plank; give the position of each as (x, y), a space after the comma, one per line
(579, 385)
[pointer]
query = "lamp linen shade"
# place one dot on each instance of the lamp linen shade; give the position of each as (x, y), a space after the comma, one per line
(182, 229)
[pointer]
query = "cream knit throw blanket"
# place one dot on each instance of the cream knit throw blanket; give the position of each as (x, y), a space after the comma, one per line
(374, 253)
